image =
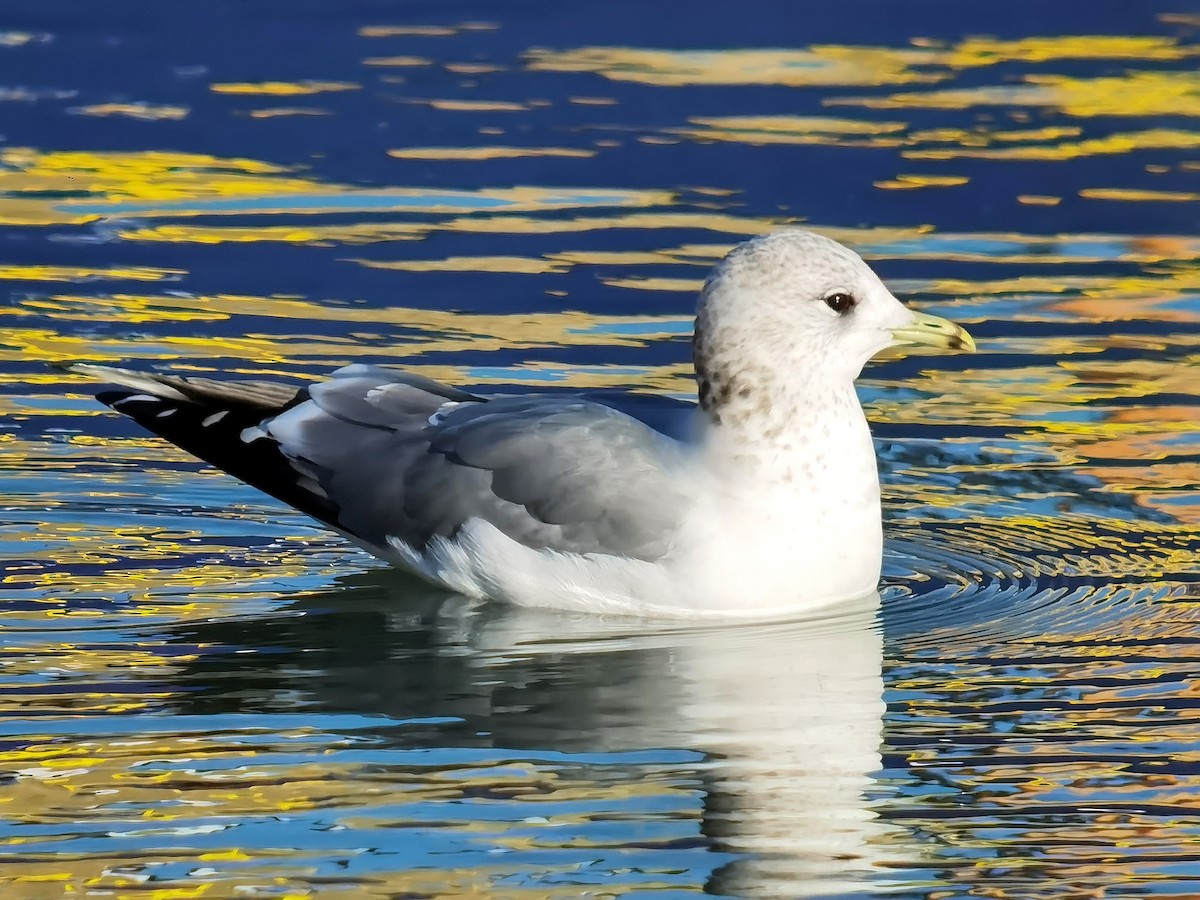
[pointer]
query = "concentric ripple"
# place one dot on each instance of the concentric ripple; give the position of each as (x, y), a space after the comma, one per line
(1022, 577)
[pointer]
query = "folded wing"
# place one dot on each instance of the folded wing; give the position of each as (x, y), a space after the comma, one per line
(383, 455)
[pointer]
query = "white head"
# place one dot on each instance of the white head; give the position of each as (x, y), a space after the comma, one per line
(800, 307)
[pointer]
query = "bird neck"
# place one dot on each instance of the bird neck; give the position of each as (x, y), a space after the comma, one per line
(798, 428)
(795, 488)
(789, 432)
(792, 479)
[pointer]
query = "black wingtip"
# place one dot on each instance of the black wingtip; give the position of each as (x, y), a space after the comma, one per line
(214, 434)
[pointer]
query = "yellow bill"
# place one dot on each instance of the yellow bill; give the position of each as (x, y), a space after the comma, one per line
(933, 331)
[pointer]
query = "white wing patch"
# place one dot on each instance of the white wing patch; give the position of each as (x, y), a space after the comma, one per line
(253, 433)
(137, 398)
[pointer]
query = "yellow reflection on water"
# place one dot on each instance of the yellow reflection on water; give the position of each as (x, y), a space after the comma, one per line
(516, 264)
(1131, 94)
(433, 331)
(110, 178)
(373, 232)
(819, 65)
(1136, 194)
(82, 273)
(276, 112)
(555, 262)
(46, 188)
(23, 344)
(982, 246)
(472, 68)
(456, 105)
(397, 61)
(565, 327)
(757, 130)
(1035, 395)
(984, 51)
(477, 153)
(685, 285)
(383, 31)
(923, 62)
(981, 136)
(145, 111)
(283, 88)
(912, 182)
(154, 788)
(1091, 298)
(17, 38)
(1153, 139)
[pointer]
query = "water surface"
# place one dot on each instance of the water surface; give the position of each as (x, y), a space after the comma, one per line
(204, 694)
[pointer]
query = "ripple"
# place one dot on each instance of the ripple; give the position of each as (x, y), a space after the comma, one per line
(1000, 580)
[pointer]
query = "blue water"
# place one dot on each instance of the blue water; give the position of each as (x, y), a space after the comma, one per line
(205, 694)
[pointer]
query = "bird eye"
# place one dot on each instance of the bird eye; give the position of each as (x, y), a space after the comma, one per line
(840, 303)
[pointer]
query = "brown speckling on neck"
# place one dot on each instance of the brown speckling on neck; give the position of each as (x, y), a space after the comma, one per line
(708, 384)
(726, 396)
(714, 383)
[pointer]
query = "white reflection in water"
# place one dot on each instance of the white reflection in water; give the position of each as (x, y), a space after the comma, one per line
(789, 716)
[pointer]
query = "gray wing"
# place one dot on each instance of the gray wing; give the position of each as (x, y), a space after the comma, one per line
(404, 457)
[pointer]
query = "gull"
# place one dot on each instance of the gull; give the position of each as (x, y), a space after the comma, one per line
(770, 506)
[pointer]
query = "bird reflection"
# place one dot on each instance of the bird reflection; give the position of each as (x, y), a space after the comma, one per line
(786, 716)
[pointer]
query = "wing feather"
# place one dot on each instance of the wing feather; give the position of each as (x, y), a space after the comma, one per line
(380, 454)
(549, 471)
